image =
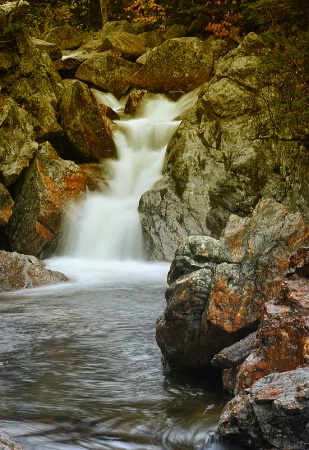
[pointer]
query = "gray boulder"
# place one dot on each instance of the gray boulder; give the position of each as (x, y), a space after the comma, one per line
(272, 415)
(128, 45)
(21, 272)
(116, 26)
(12, 12)
(53, 51)
(217, 164)
(6, 443)
(176, 31)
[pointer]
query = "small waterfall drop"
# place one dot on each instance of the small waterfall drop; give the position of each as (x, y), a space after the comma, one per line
(106, 226)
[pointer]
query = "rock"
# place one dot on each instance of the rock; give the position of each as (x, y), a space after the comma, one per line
(128, 45)
(109, 72)
(88, 134)
(67, 67)
(8, 60)
(274, 414)
(217, 164)
(178, 65)
(17, 143)
(235, 354)
(49, 185)
(53, 51)
(36, 86)
(152, 38)
(6, 443)
(21, 272)
(116, 26)
(135, 98)
(12, 12)
(176, 31)
(65, 36)
(6, 205)
(283, 336)
(223, 285)
(97, 176)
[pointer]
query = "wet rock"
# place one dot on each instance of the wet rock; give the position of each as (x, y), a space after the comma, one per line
(66, 37)
(17, 143)
(88, 134)
(218, 298)
(67, 67)
(135, 98)
(116, 26)
(178, 65)
(21, 272)
(128, 45)
(109, 72)
(47, 188)
(274, 414)
(7, 443)
(97, 176)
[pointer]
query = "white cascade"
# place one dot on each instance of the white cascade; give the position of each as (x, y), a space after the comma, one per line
(106, 226)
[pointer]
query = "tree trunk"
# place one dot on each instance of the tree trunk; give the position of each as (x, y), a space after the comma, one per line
(104, 11)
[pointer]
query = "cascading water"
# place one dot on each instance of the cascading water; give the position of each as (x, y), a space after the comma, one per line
(107, 226)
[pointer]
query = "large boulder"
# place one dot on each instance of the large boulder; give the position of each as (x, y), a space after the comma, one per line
(24, 271)
(109, 72)
(116, 26)
(178, 65)
(217, 164)
(12, 12)
(218, 287)
(48, 186)
(53, 51)
(66, 37)
(128, 45)
(36, 86)
(88, 133)
(273, 415)
(17, 143)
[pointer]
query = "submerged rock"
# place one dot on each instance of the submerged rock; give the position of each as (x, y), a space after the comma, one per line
(19, 271)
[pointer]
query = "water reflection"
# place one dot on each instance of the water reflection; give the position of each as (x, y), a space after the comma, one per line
(80, 369)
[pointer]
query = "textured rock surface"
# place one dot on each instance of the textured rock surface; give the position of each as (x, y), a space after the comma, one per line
(109, 72)
(24, 271)
(218, 288)
(66, 37)
(51, 49)
(89, 137)
(178, 65)
(128, 45)
(17, 144)
(6, 205)
(6, 443)
(273, 415)
(217, 165)
(12, 12)
(48, 186)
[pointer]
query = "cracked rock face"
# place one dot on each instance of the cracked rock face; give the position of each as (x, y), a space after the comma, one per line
(218, 287)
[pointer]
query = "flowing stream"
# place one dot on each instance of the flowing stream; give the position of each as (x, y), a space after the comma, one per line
(79, 365)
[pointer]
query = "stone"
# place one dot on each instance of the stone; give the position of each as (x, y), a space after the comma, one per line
(116, 26)
(129, 46)
(6, 206)
(273, 414)
(65, 36)
(22, 272)
(176, 31)
(109, 72)
(134, 101)
(97, 176)
(235, 354)
(222, 286)
(8, 60)
(12, 12)
(47, 188)
(17, 144)
(89, 138)
(53, 51)
(152, 38)
(7, 443)
(178, 65)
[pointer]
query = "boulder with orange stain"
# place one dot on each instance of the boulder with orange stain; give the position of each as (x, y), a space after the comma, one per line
(218, 288)
(48, 187)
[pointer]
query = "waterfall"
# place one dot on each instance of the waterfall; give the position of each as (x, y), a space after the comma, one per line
(106, 226)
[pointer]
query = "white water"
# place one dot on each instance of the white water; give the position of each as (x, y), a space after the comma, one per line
(107, 226)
